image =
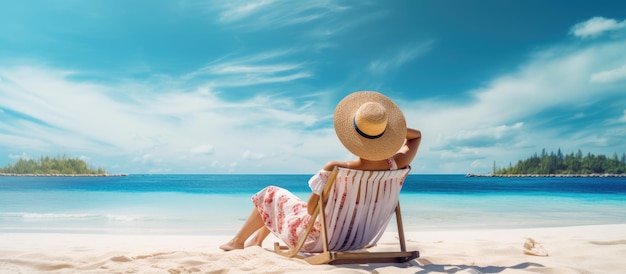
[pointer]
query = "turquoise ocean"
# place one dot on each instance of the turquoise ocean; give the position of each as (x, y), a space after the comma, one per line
(219, 204)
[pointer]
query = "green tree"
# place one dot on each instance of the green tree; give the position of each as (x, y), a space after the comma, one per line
(551, 163)
(47, 165)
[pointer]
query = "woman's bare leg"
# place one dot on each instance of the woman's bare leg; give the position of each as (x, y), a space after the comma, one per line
(252, 224)
(257, 240)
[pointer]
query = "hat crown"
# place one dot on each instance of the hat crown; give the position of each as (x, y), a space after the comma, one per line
(371, 119)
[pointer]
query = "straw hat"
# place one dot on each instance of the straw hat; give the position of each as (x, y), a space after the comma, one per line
(370, 125)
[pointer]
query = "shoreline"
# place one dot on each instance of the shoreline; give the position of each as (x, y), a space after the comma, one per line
(62, 175)
(592, 175)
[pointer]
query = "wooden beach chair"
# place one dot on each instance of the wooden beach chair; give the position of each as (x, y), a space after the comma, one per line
(371, 197)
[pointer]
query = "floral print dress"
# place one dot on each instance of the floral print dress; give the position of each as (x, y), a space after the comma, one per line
(286, 215)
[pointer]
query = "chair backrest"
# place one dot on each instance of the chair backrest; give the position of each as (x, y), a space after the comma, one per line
(359, 204)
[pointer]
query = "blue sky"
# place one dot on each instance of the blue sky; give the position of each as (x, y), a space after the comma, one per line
(250, 86)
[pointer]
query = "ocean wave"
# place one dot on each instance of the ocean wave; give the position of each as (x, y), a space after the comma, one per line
(124, 218)
(70, 216)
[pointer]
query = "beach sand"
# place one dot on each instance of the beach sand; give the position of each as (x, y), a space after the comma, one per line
(581, 249)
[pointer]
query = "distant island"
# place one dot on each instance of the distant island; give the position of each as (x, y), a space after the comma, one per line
(47, 166)
(560, 165)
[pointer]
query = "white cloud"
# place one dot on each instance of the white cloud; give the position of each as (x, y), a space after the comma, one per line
(485, 136)
(167, 123)
(260, 68)
(399, 58)
(596, 26)
(150, 126)
(273, 14)
(19, 156)
(608, 76)
(238, 10)
(203, 150)
(514, 114)
(227, 68)
(142, 158)
(252, 155)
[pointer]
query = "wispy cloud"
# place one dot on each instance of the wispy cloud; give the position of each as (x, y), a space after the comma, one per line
(259, 68)
(227, 68)
(596, 26)
(512, 116)
(248, 154)
(235, 10)
(485, 136)
(399, 57)
(273, 102)
(203, 150)
(276, 14)
(319, 22)
(179, 129)
(608, 76)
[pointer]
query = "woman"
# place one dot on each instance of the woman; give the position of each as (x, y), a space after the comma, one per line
(370, 126)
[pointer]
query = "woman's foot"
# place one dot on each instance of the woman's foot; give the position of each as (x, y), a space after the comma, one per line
(231, 246)
(252, 243)
(257, 240)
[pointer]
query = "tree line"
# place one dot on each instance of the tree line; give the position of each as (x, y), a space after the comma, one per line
(573, 163)
(48, 165)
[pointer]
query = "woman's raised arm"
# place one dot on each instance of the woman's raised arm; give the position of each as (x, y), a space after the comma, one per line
(405, 156)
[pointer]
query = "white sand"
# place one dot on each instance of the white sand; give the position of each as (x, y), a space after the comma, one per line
(583, 249)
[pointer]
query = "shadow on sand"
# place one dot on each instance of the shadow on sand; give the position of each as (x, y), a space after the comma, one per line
(451, 268)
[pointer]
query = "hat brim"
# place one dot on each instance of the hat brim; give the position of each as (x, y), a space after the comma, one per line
(371, 149)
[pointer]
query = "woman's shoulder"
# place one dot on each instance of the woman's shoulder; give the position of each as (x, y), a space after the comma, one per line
(332, 164)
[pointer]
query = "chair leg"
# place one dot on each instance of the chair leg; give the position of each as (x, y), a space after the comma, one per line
(400, 228)
(286, 251)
